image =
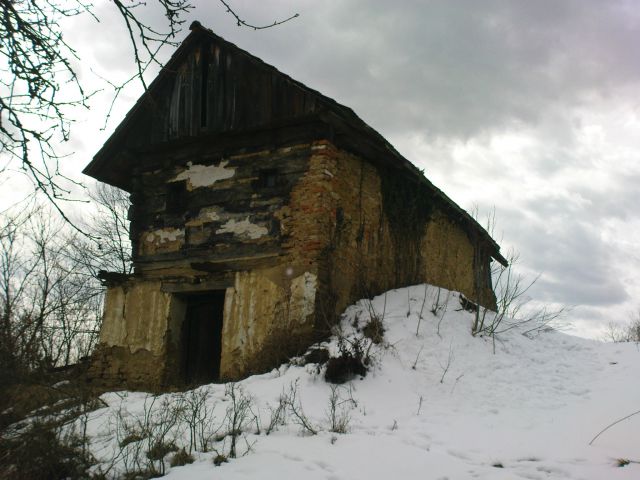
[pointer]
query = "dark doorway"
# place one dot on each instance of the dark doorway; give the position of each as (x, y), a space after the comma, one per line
(202, 337)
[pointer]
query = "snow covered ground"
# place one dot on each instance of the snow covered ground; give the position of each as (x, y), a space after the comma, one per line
(434, 406)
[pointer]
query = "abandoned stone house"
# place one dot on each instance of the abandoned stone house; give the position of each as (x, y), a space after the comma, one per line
(260, 210)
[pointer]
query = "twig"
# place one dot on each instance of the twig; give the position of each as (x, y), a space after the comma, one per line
(612, 424)
(415, 363)
(240, 22)
(445, 368)
(424, 300)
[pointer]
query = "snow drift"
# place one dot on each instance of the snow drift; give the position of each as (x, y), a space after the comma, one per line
(436, 403)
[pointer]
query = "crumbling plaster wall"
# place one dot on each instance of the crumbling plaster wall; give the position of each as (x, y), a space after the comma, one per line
(140, 335)
(220, 207)
(360, 256)
(335, 247)
(260, 301)
(133, 337)
(449, 259)
(262, 304)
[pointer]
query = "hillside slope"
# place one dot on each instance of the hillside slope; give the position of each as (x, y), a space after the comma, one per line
(437, 405)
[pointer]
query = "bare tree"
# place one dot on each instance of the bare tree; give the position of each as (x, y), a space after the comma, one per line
(39, 86)
(15, 273)
(108, 245)
(50, 305)
(625, 332)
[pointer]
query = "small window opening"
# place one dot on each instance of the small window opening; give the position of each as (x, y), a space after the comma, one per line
(268, 178)
(176, 197)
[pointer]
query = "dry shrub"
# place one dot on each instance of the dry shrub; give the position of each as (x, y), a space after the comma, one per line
(219, 459)
(344, 368)
(182, 457)
(316, 354)
(46, 451)
(339, 410)
(374, 330)
(352, 361)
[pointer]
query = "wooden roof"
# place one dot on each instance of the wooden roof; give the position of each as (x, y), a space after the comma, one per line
(212, 91)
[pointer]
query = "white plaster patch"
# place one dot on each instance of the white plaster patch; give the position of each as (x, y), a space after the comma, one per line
(204, 175)
(205, 215)
(243, 228)
(163, 235)
(303, 295)
(209, 214)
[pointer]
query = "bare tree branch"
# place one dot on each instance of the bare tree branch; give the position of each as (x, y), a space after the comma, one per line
(39, 86)
(241, 23)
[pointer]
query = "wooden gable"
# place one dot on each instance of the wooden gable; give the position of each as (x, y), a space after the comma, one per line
(209, 87)
(221, 96)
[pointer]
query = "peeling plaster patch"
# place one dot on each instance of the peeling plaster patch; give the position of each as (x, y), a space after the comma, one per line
(243, 228)
(303, 295)
(205, 215)
(158, 237)
(204, 175)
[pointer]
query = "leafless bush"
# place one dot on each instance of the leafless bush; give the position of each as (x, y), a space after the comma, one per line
(107, 245)
(373, 313)
(415, 362)
(629, 332)
(354, 351)
(145, 440)
(436, 306)
(239, 414)
(442, 309)
(513, 310)
(199, 416)
(277, 415)
(339, 412)
(626, 417)
(294, 405)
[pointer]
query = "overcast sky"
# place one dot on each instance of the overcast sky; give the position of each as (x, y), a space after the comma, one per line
(527, 107)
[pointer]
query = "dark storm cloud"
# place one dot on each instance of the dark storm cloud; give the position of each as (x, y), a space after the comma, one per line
(460, 73)
(442, 68)
(513, 85)
(456, 68)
